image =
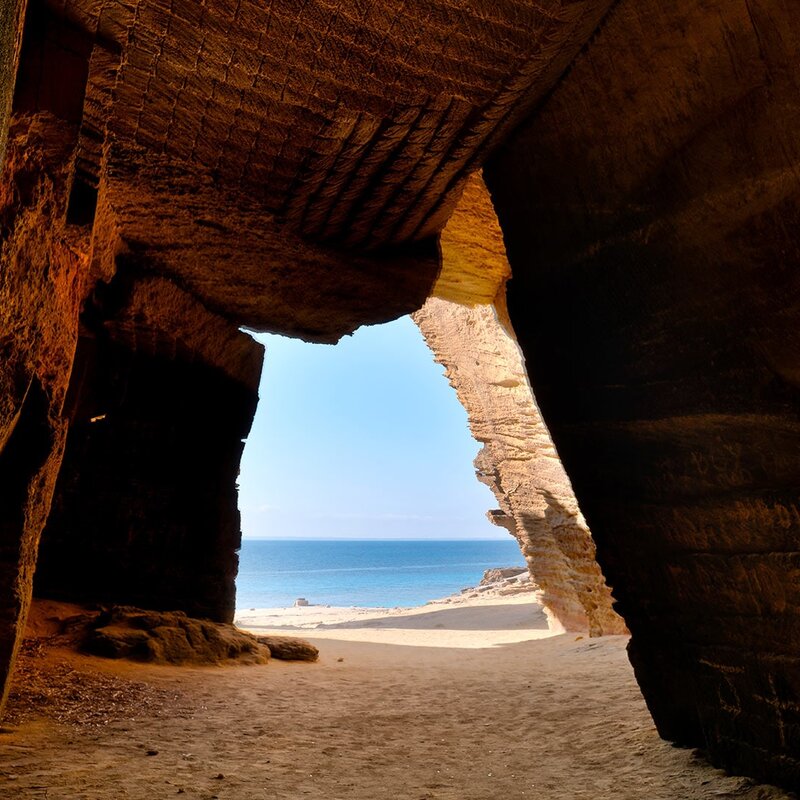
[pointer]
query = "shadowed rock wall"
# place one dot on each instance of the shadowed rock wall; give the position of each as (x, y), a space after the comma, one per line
(145, 511)
(651, 220)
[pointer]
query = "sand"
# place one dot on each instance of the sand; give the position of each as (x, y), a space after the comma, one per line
(486, 621)
(467, 700)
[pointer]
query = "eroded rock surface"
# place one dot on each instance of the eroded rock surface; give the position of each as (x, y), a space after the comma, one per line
(519, 463)
(158, 637)
(11, 16)
(518, 460)
(288, 648)
(651, 219)
(351, 122)
(162, 396)
(41, 285)
(169, 638)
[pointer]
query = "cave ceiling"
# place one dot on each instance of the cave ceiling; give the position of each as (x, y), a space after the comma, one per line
(277, 158)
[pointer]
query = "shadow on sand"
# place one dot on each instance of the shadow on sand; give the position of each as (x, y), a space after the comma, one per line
(473, 618)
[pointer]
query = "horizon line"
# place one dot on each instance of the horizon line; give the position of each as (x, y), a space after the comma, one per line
(373, 539)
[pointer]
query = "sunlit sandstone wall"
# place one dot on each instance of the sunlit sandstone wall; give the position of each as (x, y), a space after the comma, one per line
(519, 463)
(472, 339)
(651, 211)
(41, 283)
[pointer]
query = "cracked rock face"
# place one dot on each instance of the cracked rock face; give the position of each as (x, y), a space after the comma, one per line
(41, 284)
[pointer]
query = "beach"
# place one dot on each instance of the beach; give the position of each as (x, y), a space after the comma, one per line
(498, 612)
(468, 698)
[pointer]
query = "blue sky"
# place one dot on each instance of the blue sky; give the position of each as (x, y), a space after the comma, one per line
(365, 439)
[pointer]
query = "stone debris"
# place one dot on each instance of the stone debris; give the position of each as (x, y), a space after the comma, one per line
(288, 648)
(52, 687)
(169, 638)
(160, 637)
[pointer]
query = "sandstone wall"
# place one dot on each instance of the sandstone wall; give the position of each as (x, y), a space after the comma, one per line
(519, 463)
(651, 211)
(41, 283)
(53, 255)
(162, 398)
(11, 16)
(473, 340)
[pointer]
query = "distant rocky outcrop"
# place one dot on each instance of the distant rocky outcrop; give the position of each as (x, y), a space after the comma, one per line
(498, 574)
(501, 581)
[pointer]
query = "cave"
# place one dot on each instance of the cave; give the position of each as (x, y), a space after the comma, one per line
(591, 209)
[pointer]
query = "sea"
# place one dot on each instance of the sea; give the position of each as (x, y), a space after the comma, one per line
(273, 573)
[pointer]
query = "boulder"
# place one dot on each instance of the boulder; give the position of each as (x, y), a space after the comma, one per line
(169, 638)
(287, 648)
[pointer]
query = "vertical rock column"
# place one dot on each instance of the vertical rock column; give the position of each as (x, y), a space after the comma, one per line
(651, 211)
(146, 507)
(519, 463)
(41, 286)
(473, 340)
(43, 269)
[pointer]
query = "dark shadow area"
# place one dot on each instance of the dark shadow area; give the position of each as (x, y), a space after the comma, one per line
(21, 459)
(145, 510)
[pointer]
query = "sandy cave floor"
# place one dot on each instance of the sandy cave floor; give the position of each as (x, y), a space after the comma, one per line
(423, 705)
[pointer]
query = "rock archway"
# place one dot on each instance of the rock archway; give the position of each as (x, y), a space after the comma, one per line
(176, 169)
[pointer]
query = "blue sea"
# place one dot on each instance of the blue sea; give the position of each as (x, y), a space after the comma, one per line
(273, 573)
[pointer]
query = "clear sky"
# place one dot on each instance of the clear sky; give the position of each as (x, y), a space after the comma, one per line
(365, 439)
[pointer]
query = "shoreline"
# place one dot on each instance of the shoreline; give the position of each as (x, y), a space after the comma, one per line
(496, 582)
(498, 611)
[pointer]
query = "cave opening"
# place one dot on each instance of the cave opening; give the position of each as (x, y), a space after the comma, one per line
(314, 168)
(357, 486)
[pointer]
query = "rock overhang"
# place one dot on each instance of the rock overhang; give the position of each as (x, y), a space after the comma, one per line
(293, 168)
